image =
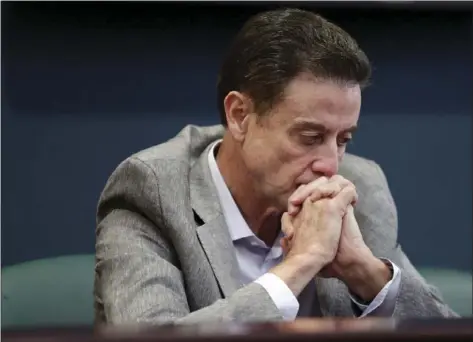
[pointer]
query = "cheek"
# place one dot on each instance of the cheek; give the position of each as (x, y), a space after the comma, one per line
(341, 152)
(272, 153)
(303, 170)
(296, 170)
(258, 158)
(289, 152)
(292, 160)
(277, 162)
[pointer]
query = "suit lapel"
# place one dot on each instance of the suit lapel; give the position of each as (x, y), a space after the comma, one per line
(213, 232)
(322, 297)
(219, 250)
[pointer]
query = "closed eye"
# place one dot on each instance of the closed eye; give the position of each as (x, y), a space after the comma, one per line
(310, 140)
(343, 141)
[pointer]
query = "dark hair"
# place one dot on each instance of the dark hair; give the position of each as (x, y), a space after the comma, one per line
(274, 47)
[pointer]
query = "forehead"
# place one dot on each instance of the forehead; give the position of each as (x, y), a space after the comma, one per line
(333, 104)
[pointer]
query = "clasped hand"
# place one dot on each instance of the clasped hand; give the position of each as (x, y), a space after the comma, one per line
(320, 223)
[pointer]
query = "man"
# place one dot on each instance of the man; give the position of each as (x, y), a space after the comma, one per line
(255, 220)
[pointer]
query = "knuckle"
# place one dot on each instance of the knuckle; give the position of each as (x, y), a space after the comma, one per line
(336, 178)
(318, 204)
(353, 189)
(307, 202)
(342, 181)
(299, 190)
(284, 221)
(325, 204)
(317, 192)
(350, 183)
(337, 187)
(310, 188)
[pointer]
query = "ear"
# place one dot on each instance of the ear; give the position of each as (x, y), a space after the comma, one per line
(238, 108)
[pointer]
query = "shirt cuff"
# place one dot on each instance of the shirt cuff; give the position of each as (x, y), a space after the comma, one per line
(281, 295)
(384, 302)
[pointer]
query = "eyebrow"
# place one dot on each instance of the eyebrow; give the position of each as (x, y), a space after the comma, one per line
(300, 125)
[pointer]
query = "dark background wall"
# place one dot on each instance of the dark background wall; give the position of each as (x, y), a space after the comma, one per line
(86, 84)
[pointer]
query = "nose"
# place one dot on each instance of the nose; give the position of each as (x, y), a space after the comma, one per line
(327, 164)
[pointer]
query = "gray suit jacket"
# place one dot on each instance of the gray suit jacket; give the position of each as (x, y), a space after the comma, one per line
(164, 253)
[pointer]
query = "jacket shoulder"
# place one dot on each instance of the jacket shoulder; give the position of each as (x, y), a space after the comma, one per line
(359, 169)
(185, 147)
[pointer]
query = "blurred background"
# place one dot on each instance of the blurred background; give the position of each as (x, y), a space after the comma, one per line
(86, 84)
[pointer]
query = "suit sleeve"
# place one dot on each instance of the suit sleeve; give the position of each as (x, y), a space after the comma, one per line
(377, 215)
(137, 273)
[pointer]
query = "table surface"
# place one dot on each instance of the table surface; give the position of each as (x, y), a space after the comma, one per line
(367, 329)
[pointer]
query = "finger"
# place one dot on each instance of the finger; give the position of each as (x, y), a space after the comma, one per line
(349, 220)
(283, 242)
(286, 225)
(291, 207)
(346, 196)
(303, 192)
(288, 231)
(350, 209)
(324, 190)
(354, 201)
(286, 247)
(343, 182)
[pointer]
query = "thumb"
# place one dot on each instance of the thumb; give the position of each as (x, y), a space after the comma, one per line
(286, 225)
(346, 197)
(349, 224)
(350, 211)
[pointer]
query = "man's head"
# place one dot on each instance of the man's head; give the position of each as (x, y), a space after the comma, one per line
(289, 93)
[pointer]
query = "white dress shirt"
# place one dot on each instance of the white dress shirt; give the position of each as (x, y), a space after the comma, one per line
(255, 258)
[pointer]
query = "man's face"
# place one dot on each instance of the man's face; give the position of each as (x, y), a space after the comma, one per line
(304, 137)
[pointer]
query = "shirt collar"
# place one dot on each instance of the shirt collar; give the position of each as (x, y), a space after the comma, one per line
(236, 224)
